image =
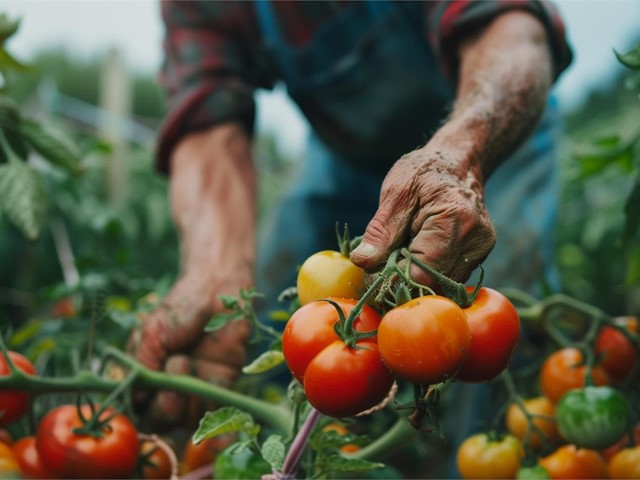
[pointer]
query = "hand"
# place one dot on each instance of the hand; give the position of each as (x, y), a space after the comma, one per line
(213, 200)
(437, 208)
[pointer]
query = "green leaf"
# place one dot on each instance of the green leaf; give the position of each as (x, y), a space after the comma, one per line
(266, 361)
(8, 27)
(9, 62)
(53, 145)
(338, 463)
(273, 451)
(219, 320)
(225, 420)
(630, 59)
(23, 197)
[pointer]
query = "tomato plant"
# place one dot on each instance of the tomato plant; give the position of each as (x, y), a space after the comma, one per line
(329, 274)
(426, 340)
(108, 450)
(625, 463)
(564, 370)
(593, 417)
(311, 328)
(542, 411)
(618, 354)
(155, 461)
(29, 460)
(495, 332)
(14, 404)
(485, 456)
(239, 464)
(569, 461)
(342, 381)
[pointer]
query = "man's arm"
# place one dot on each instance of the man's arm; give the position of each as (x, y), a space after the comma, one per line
(434, 196)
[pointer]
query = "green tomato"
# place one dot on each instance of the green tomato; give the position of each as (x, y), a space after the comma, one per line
(593, 417)
(536, 472)
(242, 464)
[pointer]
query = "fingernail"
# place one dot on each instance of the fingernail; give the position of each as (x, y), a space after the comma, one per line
(364, 250)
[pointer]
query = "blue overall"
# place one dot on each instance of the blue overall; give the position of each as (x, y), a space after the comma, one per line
(373, 67)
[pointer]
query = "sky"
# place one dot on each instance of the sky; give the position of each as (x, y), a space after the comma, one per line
(91, 27)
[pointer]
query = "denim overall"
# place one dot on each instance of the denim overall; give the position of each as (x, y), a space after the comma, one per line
(373, 68)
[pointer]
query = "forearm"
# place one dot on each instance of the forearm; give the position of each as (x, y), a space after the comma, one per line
(213, 200)
(504, 76)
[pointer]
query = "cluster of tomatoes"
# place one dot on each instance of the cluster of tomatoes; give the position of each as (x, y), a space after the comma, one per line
(426, 341)
(579, 426)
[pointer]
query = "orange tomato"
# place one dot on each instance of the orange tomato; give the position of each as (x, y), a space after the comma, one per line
(9, 467)
(570, 462)
(563, 370)
(204, 453)
(625, 463)
(341, 430)
(481, 456)
(518, 425)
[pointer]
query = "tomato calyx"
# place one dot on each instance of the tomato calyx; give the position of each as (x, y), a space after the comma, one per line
(96, 424)
(344, 326)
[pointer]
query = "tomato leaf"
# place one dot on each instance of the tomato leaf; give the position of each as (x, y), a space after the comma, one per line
(53, 145)
(338, 463)
(219, 320)
(23, 197)
(630, 59)
(273, 451)
(225, 420)
(266, 361)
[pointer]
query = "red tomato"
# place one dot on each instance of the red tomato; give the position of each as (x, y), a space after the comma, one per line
(563, 371)
(342, 381)
(329, 274)
(426, 340)
(570, 462)
(6, 437)
(14, 404)
(618, 354)
(156, 463)
(495, 331)
(310, 329)
(28, 458)
(114, 454)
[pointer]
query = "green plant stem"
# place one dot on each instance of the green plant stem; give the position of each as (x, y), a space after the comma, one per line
(394, 438)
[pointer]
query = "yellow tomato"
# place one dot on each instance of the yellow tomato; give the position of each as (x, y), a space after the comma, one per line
(518, 425)
(481, 456)
(625, 463)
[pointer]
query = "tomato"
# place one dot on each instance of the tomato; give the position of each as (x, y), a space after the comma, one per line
(329, 274)
(563, 370)
(204, 453)
(239, 465)
(618, 354)
(341, 430)
(310, 329)
(6, 437)
(342, 381)
(593, 417)
(625, 463)
(156, 463)
(481, 456)
(609, 452)
(14, 404)
(29, 460)
(495, 332)
(426, 340)
(571, 462)
(9, 467)
(518, 425)
(114, 454)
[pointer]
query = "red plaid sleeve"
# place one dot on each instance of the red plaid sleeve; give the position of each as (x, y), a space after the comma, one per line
(452, 19)
(207, 71)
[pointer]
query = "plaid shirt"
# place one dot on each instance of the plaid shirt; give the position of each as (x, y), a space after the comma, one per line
(215, 59)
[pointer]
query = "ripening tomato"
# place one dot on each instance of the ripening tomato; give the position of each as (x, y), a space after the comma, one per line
(481, 456)
(543, 412)
(618, 354)
(495, 332)
(329, 274)
(426, 340)
(625, 463)
(155, 461)
(29, 460)
(14, 403)
(571, 462)
(341, 430)
(563, 370)
(196, 455)
(593, 417)
(113, 453)
(342, 381)
(311, 328)
(9, 467)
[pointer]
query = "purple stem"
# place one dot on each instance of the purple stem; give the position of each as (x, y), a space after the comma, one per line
(296, 450)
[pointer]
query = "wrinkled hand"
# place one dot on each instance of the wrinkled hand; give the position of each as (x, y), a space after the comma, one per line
(434, 206)
(171, 338)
